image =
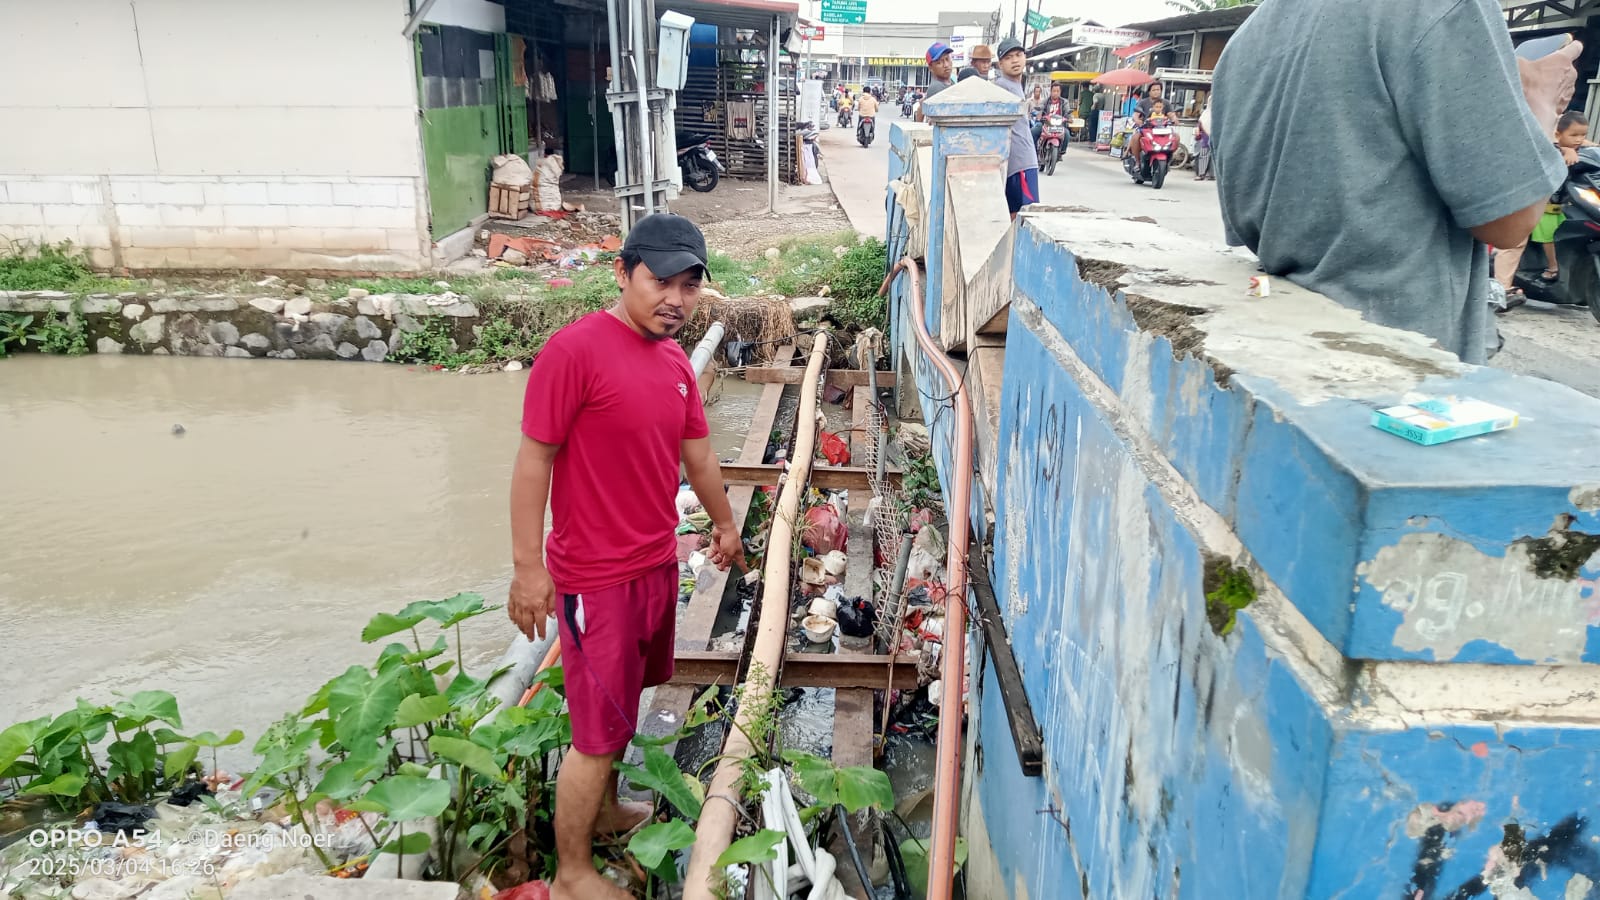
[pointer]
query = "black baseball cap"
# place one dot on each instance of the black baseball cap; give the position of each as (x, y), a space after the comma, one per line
(668, 244)
(1008, 45)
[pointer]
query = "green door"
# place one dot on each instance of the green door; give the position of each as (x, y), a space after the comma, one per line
(461, 102)
(513, 111)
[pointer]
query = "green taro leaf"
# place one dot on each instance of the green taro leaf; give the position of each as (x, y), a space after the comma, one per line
(210, 739)
(145, 707)
(18, 739)
(815, 775)
(411, 768)
(464, 690)
(757, 848)
(316, 703)
(406, 797)
(861, 787)
(915, 854)
(176, 764)
(93, 721)
(482, 835)
(451, 610)
(662, 775)
(415, 842)
(346, 778)
(417, 710)
(384, 624)
(67, 785)
(651, 845)
(466, 754)
(136, 756)
(166, 736)
(363, 707)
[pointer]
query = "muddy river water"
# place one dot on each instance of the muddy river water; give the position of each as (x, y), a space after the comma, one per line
(235, 563)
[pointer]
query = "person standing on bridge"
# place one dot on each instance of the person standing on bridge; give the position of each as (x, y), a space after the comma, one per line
(1398, 235)
(1022, 161)
(941, 62)
(611, 410)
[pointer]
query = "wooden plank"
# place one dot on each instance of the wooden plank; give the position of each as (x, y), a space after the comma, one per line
(845, 669)
(831, 477)
(852, 746)
(1019, 712)
(841, 378)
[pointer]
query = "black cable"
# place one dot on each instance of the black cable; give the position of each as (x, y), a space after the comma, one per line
(842, 819)
(897, 864)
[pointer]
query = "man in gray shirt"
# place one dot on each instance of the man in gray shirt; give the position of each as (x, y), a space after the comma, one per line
(941, 62)
(1336, 133)
(1022, 161)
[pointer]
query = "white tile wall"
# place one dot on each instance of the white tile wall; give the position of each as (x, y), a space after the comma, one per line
(148, 221)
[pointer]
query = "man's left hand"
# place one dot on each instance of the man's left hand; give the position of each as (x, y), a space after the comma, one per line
(1548, 83)
(726, 548)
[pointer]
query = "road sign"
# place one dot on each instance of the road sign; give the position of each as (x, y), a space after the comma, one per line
(845, 12)
(811, 32)
(1038, 21)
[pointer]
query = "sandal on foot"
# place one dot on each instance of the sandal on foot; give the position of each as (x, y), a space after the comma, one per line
(1514, 298)
(1550, 276)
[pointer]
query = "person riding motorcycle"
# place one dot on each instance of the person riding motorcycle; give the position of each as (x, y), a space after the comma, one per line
(1054, 105)
(1157, 117)
(866, 109)
(844, 110)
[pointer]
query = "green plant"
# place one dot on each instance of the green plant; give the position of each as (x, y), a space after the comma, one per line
(919, 484)
(49, 267)
(855, 281)
(65, 334)
(55, 757)
(432, 345)
(17, 331)
(1228, 589)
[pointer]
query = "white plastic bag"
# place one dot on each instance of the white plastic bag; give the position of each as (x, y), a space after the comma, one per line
(547, 184)
(512, 170)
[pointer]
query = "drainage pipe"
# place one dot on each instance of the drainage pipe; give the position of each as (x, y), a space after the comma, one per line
(723, 805)
(706, 349)
(947, 765)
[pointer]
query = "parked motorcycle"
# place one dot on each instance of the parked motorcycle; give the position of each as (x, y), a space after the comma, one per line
(1052, 140)
(698, 162)
(1577, 242)
(865, 131)
(1148, 155)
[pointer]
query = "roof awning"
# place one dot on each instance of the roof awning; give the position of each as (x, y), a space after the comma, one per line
(1065, 51)
(1074, 76)
(1141, 48)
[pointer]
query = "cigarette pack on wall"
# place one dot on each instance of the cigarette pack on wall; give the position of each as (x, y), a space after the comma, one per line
(1443, 419)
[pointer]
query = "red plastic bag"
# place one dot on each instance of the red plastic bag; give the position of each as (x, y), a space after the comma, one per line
(533, 890)
(824, 532)
(834, 448)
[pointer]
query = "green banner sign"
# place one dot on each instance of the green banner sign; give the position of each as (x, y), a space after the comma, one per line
(1038, 21)
(844, 18)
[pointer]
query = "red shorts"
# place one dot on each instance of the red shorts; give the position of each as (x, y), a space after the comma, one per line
(615, 643)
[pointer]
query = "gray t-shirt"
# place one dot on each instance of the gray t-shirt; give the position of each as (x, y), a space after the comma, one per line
(934, 87)
(1023, 156)
(1342, 160)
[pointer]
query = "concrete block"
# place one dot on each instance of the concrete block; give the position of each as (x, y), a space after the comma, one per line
(172, 191)
(191, 216)
(140, 214)
(238, 238)
(381, 216)
(70, 214)
(93, 236)
(87, 192)
(3, 195)
(127, 190)
(323, 216)
(39, 192)
(21, 214)
(406, 239)
(255, 216)
(158, 237)
(353, 239)
(301, 193)
(241, 193)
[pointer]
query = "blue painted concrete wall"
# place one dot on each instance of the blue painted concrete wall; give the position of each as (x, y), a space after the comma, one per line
(1184, 763)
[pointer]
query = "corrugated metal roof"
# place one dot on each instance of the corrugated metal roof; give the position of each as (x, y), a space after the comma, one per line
(753, 14)
(1233, 16)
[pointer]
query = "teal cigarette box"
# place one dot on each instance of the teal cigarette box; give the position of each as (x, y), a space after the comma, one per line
(1443, 419)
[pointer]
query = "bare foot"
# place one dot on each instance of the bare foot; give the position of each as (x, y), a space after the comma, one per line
(586, 885)
(616, 818)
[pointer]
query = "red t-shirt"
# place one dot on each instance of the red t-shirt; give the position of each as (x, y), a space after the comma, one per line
(619, 405)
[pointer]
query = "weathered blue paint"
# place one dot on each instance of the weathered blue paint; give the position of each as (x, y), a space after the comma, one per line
(1183, 763)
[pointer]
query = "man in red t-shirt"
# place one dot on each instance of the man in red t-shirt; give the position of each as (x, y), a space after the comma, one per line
(611, 410)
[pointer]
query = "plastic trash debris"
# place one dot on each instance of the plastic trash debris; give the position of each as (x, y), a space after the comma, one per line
(812, 571)
(835, 563)
(188, 792)
(738, 353)
(834, 448)
(127, 818)
(819, 629)
(857, 617)
(824, 531)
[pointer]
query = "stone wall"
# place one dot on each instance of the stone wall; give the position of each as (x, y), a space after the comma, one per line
(1403, 703)
(356, 328)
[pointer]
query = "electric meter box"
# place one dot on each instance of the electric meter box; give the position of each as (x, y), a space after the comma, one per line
(672, 58)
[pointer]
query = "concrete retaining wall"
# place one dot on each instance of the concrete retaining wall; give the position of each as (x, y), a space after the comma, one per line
(367, 328)
(1405, 705)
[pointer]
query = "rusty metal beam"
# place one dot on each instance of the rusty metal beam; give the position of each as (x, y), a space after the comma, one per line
(836, 670)
(852, 478)
(1025, 734)
(841, 378)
